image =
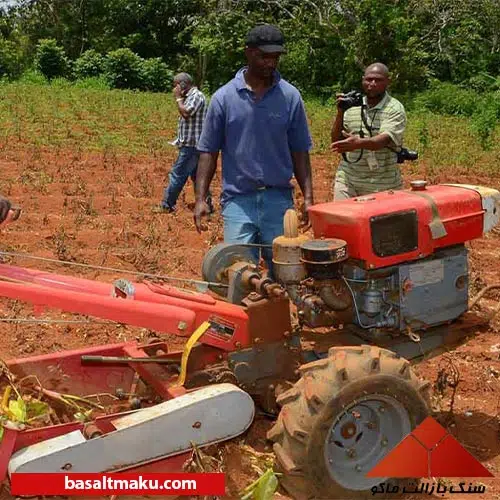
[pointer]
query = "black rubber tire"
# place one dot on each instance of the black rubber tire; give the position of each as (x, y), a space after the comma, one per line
(326, 388)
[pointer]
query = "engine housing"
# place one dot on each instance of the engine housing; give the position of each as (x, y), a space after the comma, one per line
(394, 260)
(393, 227)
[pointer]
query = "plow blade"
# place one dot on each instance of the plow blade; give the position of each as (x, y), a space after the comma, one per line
(207, 416)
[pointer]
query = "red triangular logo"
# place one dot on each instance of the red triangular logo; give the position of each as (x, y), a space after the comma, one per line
(429, 451)
(408, 459)
(450, 459)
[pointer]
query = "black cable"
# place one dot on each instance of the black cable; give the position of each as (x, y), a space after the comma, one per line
(361, 133)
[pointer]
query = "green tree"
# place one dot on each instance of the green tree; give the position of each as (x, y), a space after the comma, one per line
(50, 59)
(156, 76)
(123, 69)
(329, 41)
(89, 64)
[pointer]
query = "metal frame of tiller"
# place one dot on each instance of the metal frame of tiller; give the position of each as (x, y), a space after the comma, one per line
(212, 327)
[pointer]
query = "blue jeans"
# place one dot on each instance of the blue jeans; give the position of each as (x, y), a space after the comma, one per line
(184, 167)
(257, 218)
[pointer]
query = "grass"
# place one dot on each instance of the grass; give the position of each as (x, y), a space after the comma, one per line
(70, 117)
(65, 116)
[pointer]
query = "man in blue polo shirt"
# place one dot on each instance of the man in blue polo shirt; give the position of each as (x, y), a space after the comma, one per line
(259, 123)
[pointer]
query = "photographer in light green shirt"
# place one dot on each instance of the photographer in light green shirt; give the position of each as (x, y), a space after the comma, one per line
(368, 131)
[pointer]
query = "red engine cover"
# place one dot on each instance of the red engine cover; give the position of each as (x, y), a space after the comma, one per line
(360, 221)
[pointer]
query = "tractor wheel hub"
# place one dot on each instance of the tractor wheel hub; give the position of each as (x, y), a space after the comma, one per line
(361, 436)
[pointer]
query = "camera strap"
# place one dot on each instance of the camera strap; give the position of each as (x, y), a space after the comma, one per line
(370, 128)
(364, 118)
(361, 134)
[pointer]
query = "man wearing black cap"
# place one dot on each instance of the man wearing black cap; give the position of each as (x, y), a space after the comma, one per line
(259, 123)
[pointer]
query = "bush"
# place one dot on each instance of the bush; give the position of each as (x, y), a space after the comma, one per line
(60, 82)
(10, 60)
(448, 99)
(485, 120)
(156, 77)
(482, 107)
(484, 83)
(50, 59)
(89, 64)
(93, 82)
(296, 59)
(33, 77)
(123, 69)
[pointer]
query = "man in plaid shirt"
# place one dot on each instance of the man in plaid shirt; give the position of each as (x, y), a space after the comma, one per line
(192, 107)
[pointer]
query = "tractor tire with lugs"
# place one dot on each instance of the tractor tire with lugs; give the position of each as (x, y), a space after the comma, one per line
(341, 418)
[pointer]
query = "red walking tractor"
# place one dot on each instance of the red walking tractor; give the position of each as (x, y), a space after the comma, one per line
(385, 279)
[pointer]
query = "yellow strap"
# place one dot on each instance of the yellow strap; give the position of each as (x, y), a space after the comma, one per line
(187, 350)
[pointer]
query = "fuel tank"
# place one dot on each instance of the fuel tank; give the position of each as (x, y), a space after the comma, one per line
(391, 227)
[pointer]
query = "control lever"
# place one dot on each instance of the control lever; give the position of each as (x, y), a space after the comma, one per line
(118, 359)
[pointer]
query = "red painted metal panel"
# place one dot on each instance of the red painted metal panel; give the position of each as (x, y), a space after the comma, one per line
(459, 209)
(64, 372)
(7, 447)
(162, 309)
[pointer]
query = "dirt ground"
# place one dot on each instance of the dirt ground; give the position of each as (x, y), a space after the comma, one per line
(96, 209)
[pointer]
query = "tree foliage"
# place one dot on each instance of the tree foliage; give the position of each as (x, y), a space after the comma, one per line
(50, 59)
(329, 42)
(89, 64)
(123, 69)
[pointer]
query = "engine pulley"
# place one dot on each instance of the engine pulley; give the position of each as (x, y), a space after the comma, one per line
(220, 258)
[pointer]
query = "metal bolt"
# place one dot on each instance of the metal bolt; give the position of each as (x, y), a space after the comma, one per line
(358, 468)
(237, 345)
(67, 466)
(182, 325)
(381, 409)
(330, 461)
(385, 442)
(371, 425)
(120, 393)
(351, 453)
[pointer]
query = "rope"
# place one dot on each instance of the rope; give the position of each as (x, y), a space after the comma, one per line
(54, 321)
(111, 269)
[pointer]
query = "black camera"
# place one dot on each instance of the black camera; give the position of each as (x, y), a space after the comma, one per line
(406, 155)
(351, 99)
